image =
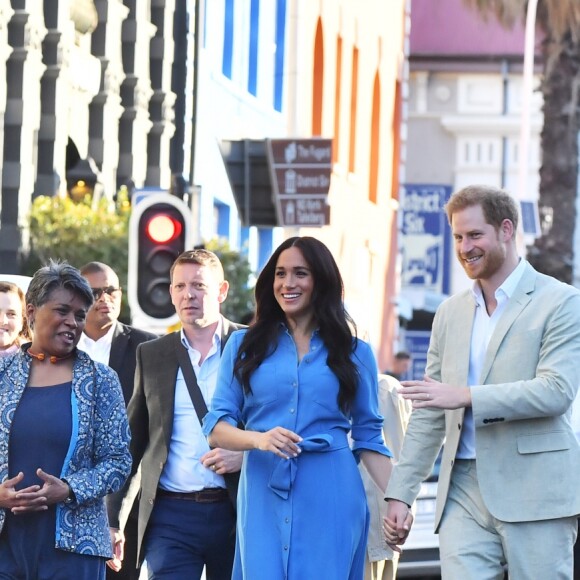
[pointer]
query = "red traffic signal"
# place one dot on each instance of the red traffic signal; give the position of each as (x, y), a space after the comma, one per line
(159, 230)
(163, 228)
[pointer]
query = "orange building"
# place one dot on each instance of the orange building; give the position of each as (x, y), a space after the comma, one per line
(348, 82)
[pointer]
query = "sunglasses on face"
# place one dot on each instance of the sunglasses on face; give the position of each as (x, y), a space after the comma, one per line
(110, 290)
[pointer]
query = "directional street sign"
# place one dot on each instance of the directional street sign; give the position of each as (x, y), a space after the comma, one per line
(301, 170)
(305, 211)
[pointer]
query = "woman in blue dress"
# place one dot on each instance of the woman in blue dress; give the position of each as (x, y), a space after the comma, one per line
(64, 440)
(300, 382)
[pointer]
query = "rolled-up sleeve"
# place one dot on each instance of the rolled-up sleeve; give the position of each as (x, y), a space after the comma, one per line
(226, 404)
(367, 422)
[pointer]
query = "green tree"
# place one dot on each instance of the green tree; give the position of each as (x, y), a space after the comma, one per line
(61, 229)
(560, 87)
(238, 273)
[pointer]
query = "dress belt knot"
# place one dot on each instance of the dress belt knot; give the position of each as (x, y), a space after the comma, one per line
(284, 473)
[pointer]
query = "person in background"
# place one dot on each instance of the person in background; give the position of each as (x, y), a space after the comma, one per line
(401, 365)
(187, 494)
(381, 560)
(502, 374)
(113, 343)
(14, 330)
(300, 381)
(53, 520)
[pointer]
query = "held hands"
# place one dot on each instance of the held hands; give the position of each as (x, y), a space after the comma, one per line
(222, 461)
(280, 441)
(118, 542)
(33, 498)
(397, 524)
(430, 393)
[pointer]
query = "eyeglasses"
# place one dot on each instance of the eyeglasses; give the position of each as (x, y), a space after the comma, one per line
(110, 290)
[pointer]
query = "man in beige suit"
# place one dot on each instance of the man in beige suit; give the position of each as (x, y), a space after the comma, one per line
(502, 371)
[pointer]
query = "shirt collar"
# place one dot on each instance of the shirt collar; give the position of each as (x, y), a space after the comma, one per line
(509, 284)
(107, 338)
(217, 337)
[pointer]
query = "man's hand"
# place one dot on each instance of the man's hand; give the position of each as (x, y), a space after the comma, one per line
(433, 394)
(118, 543)
(223, 461)
(397, 524)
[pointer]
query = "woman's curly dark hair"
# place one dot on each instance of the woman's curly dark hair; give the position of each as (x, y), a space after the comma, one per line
(335, 326)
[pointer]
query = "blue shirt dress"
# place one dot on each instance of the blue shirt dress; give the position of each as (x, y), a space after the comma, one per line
(305, 517)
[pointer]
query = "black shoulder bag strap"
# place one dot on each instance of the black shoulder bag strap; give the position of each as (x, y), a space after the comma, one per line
(190, 380)
(200, 407)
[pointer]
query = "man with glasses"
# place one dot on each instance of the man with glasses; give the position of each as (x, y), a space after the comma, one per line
(110, 342)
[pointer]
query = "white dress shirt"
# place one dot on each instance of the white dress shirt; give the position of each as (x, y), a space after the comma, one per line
(483, 328)
(183, 471)
(99, 350)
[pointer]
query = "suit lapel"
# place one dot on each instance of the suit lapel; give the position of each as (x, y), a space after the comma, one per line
(119, 346)
(516, 304)
(168, 368)
(459, 338)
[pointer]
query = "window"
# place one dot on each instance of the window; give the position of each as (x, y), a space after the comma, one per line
(253, 51)
(228, 39)
(221, 219)
(280, 54)
(353, 107)
(375, 142)
(317, 82)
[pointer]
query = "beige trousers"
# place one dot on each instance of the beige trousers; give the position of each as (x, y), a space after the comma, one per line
(476, 546)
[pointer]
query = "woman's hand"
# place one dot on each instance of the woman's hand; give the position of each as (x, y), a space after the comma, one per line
(280, 441)
(54, 490)
(12, 499)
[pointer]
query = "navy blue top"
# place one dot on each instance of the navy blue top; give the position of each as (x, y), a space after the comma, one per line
(40, 433)
(40, 437)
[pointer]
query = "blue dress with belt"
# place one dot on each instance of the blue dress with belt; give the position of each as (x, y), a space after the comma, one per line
(40, 437)
(305, 517)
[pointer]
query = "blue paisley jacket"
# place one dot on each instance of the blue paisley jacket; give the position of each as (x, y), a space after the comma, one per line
(98, 459)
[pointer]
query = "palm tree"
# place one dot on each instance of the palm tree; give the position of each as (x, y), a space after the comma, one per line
(559, 20)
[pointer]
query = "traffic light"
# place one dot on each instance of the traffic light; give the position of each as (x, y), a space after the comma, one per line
(159, 230)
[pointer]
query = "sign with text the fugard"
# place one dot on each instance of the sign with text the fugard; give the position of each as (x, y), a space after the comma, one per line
(301, 170)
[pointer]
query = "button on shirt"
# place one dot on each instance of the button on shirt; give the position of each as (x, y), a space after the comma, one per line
(183, 471)
(99, 350)
(483, 328)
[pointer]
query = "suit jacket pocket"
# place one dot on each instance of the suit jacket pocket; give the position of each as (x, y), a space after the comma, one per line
(542, 442)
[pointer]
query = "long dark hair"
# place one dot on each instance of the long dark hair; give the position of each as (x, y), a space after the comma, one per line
(335, 326)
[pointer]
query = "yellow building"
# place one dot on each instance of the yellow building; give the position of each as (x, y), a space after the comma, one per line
(348, 69)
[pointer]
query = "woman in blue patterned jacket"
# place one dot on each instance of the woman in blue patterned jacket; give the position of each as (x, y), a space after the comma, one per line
(63, 440)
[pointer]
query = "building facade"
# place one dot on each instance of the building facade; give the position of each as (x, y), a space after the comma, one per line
(102, 94)
(464, 127)
(87, 103)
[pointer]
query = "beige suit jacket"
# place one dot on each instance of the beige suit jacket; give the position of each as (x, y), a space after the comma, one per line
(528, 459)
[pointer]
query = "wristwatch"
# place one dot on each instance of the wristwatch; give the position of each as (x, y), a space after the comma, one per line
(71, 496)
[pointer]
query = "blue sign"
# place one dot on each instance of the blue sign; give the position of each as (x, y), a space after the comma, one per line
(426, 237)
(417, 345)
